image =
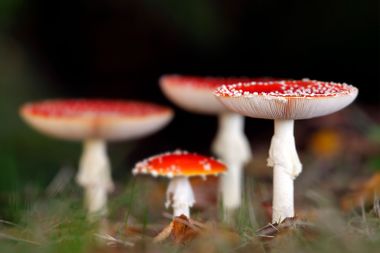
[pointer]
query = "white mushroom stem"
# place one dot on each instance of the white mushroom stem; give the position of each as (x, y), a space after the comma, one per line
(286, 165)
(232, 147)
(180, 196)
(95, 175)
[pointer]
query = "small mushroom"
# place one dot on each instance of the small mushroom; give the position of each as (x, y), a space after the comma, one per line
(179, 166)
(95, 122)
(285, 101)
(195, 94)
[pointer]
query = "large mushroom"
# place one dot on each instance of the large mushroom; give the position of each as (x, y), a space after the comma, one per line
(94, 122)
(195, 94)
(179, 166)
(285, 101)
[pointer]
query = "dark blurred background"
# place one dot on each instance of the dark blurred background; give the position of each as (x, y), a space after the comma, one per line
(119, 49)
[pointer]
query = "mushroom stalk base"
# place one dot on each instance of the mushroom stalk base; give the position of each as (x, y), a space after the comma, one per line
(286, 165)
(180, 196)
(232, 146)
(95, 176)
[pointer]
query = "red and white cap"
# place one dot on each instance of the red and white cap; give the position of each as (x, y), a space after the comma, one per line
(299, 99)
(195, 93)
(179, 163)
(78, 119)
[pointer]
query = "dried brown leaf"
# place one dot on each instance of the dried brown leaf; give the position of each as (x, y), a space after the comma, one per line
(184, 230)
(181, 230)
(165, 233)
(287, 226)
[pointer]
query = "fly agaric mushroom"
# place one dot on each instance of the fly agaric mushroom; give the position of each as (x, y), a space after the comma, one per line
(95, 122)
(285, 101)
(179, 166)
(195, 94)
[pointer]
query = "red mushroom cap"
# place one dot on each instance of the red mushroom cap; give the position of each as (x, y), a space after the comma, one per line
(298, 99)
(195, 93)
(179, 163)
(78, 119)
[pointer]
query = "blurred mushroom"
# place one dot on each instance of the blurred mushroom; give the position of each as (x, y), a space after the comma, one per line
(195, 94)
(179, 166)
(285, 101)
(95, 122)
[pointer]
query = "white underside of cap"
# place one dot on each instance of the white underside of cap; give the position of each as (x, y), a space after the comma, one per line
(108, 128)
(193, 99)
(271, 107)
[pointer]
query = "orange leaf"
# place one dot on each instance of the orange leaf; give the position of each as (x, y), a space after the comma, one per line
(363, 194)
(183, 230)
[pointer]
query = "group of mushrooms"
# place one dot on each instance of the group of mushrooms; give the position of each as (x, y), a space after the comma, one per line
(95, 121)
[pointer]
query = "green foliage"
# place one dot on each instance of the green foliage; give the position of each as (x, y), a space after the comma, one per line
(8, 9)
(374, 163)
(58, 224)
(374, 133)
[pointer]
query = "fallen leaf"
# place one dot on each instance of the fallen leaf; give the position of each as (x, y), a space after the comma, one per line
(184, 229)
(165, 233)
(181, 230)
(287, 226)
